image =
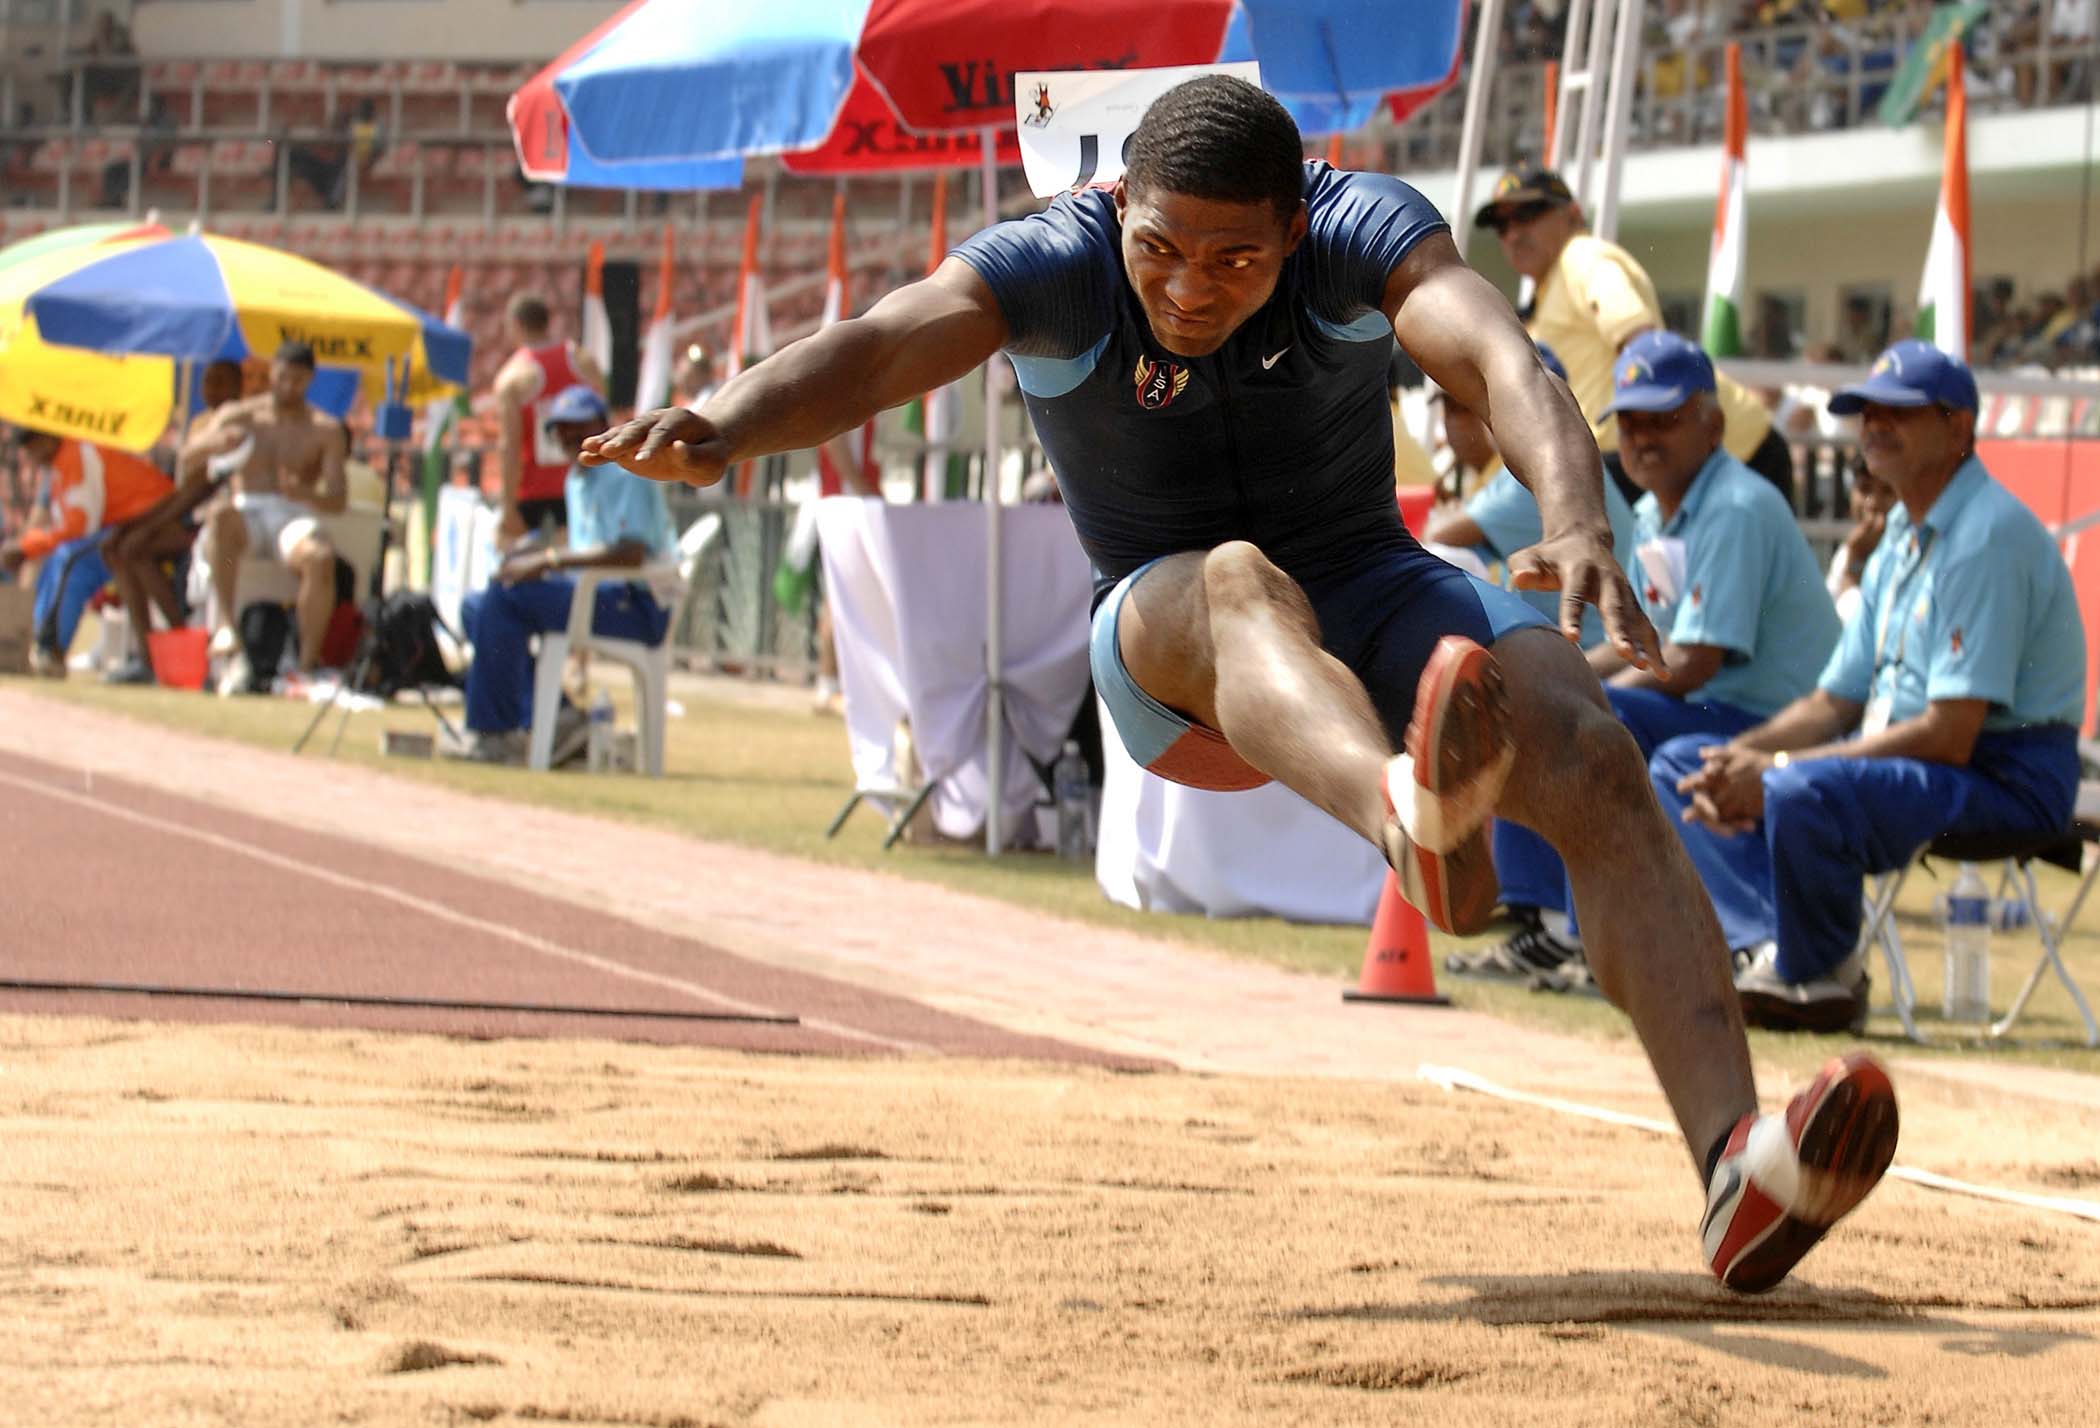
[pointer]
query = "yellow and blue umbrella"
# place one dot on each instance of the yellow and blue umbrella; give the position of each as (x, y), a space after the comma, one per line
(119, 401)
(155, 299)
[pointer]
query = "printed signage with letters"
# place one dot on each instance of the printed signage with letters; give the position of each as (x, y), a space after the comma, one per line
(1074, 124)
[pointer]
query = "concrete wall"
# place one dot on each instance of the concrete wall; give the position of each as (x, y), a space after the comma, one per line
(1831, 211)
(366, 29)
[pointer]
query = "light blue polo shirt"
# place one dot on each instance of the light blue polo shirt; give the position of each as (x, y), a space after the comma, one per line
(1751, 586)
(606, 505)
(1974, 602)
(1508, 516)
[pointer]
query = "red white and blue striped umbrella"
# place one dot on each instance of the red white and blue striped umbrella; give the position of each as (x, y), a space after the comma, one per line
(667, 92)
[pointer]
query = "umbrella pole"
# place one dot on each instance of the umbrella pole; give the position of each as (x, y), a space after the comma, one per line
(186, 373)
(1486, 33)
(994, 663)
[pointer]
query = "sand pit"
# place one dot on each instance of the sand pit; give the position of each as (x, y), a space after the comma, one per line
(273, 1225)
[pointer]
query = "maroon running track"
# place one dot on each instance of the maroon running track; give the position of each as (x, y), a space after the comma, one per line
(107, 881)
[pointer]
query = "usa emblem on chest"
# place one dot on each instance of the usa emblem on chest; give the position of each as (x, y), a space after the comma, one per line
(1159, 382)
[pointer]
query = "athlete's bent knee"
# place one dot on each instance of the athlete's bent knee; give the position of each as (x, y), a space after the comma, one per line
(1239, 579)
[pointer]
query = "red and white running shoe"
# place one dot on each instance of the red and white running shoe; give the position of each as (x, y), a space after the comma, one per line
(1440, 791)
(1782, 1180)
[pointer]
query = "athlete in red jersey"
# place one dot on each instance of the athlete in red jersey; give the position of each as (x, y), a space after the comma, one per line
(534, 469)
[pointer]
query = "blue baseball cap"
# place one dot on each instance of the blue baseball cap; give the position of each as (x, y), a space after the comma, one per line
(1911, 374)
(1551, 361)
(577, 404)
(1658, 372)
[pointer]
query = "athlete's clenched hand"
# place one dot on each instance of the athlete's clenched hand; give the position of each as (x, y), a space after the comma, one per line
(1583, 569)
(673, 444)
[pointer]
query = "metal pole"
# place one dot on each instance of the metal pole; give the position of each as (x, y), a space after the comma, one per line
(1486, 31)
(994, 661)
(1586, 133)
(1626, 59)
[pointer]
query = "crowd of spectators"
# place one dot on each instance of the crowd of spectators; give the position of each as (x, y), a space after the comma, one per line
(2055, 330)
(1821, 64)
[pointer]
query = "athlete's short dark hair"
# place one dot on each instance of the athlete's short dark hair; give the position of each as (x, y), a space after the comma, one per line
(1221, 138)
(294, 353)
(529, 311)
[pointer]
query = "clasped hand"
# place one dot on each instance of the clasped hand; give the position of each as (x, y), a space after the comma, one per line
(1727, 790)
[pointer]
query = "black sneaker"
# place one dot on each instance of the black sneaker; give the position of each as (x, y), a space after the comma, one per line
(1529, 952)
(572, 737)
(134, 670)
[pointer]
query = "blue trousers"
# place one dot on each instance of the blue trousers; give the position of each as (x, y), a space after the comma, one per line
(65, 582)
(1530, 872)
(501, 621)
(1799, 877)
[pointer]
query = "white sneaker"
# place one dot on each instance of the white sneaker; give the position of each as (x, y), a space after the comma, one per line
(1440, 793)
(1783, 1180)
(236, 677)
(1836, 1002)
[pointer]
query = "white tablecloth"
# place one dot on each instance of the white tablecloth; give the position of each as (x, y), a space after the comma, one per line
(1166, 848)
(909, 612)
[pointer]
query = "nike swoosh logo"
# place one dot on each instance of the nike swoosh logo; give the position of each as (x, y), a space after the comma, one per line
(1268, 362)
(1732, 1181)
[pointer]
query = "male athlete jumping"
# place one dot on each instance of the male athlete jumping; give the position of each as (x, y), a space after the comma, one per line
(1203, 352)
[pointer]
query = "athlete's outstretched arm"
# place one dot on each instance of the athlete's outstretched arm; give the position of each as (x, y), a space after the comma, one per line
(1461, 331)
(915, 339)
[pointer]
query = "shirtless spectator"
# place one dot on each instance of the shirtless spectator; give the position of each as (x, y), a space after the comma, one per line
(289, 472)
(535, 470)
(136, 554)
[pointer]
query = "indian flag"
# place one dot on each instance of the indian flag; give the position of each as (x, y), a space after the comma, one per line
(652, 385)
(751, 337)
(1722, 332)
(440, 420)
(939, 409)
(1943, 296)
(597, 327)
(835, 267)
(797, 571)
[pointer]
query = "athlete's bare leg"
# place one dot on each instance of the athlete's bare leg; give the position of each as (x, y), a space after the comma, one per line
(1648, 926)
(1229, 640)
(313, 561)
(134, 559)
(229, 542)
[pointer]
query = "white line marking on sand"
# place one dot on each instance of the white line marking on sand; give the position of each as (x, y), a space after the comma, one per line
(1454, 1078)
(445, 914)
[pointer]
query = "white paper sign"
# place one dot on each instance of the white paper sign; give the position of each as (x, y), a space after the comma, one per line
(1074, 124)
(465, 556)
(1662, 561)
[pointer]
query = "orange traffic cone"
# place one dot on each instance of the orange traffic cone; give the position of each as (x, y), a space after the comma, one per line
(1396, 963)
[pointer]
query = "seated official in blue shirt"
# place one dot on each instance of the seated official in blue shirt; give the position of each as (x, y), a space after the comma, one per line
(1499, 519)
(616, 521)
(1951, 705)
(1727, 578)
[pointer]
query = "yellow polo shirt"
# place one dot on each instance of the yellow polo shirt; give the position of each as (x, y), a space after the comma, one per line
(1591, 302)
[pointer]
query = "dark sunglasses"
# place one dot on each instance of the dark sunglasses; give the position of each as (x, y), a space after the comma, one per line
(1502, 218)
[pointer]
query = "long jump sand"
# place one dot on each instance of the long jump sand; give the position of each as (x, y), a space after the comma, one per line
(270, 1224)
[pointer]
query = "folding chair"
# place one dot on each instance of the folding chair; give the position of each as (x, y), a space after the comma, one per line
(2017, 855)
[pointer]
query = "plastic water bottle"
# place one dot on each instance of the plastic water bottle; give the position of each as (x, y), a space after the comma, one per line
(599, 745)
(1966, 920)
(1073, 788)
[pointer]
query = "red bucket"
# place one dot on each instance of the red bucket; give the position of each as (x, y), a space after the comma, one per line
(179, 656)
(1415, 503)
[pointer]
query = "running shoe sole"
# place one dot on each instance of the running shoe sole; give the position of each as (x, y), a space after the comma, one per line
(1782, 1182)
(1441, 791)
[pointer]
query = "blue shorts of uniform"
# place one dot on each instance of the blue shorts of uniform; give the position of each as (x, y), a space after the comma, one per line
(1381, 617)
